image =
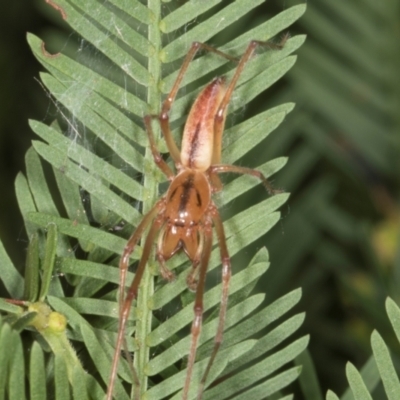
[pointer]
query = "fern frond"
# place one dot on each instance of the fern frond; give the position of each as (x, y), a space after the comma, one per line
(88, 172)
(380, 366)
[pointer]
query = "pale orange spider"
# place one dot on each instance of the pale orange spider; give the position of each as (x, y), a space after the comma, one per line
(183, 218)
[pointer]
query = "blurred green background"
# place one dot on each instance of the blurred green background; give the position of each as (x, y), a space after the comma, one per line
(21, 98)
(338, 237)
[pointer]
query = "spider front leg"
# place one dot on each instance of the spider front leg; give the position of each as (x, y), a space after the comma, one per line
(130, 246)
(125, 304)
(156, 154)
(219, 119)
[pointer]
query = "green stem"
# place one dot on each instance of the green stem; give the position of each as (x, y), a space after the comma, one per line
(144, 313)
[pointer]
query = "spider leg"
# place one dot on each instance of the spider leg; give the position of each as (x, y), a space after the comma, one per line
(219, 121)
(248, 171)
(226, 277)
(156, 154)
(166, 106)
(130, 246)
(198, 307)
(125, 305)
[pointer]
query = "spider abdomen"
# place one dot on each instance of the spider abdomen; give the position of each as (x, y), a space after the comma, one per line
(198, 135)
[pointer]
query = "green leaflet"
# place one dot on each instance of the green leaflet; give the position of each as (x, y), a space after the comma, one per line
(102, 167)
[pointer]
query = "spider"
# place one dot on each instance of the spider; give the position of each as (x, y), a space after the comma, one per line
(184, 217)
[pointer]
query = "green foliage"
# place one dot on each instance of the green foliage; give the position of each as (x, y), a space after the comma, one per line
(377, 378)
(79, 198)
(90, 177)
(378, 368)
(343, 142)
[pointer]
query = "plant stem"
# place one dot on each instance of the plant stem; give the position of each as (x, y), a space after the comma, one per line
(144, 313)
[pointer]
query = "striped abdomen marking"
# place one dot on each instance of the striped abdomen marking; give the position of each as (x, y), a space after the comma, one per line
(198, 135)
